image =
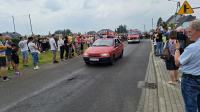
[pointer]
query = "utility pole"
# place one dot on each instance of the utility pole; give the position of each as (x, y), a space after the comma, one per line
(13, 23)
(144, 28)
(177, 7)
(175, 15)
(152, 23)
(31, 24)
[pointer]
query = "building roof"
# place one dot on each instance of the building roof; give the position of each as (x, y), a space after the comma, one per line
(105, 31)
(12, 34)
(180, 19)
(185, 19)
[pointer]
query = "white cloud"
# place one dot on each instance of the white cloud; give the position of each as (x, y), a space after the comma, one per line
(82, 15)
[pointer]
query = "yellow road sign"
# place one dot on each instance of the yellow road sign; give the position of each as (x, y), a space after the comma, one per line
(185, 9)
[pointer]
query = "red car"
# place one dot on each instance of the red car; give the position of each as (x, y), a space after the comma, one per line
(133, 37)
(104, 50)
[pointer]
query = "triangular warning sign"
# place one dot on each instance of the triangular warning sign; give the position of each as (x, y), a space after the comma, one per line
(185, 9)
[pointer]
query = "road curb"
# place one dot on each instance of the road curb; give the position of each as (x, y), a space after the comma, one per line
(141, 84)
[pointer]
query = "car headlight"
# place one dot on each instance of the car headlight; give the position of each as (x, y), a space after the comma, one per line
(105, 55)
(85, 55)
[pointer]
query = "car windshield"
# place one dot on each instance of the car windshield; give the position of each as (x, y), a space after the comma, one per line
(133, 33)
(103, 42)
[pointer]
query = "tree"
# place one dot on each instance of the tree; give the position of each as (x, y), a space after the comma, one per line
(159, 22)
(172, 25)
(63, 32)
(164, 25)
(68, 32)
(91, 32)
(121, 29)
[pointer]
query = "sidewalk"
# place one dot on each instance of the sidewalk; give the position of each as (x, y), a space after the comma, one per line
(158, 95)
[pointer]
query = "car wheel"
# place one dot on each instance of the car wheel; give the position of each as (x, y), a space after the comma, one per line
(121, 55)
(112, 61)
(87, 63)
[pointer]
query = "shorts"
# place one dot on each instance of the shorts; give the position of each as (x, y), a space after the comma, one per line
(24, 54)
(2, 61)
(15, 59)
(170, 64)
(8, 58)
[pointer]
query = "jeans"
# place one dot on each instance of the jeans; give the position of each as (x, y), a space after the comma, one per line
(154, 46)
(24, 54)
(54, 55)
(159, 48)
(66, 52)
(191, 94)
(35, 58)
(62, 50)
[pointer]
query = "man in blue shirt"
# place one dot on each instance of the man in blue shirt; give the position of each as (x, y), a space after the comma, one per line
(189, 62)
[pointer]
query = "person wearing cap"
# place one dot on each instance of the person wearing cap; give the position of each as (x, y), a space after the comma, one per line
(189, 62)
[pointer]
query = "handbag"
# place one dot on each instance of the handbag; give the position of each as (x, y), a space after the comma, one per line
(166, 54)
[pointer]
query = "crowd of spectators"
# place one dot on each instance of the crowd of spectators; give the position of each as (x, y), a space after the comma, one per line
(66, 46)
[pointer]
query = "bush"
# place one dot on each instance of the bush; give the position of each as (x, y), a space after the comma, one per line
(15, 40)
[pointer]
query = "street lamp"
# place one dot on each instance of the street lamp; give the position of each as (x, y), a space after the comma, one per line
(177, 6)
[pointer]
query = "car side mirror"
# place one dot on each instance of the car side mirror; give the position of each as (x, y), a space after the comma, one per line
(116, 45)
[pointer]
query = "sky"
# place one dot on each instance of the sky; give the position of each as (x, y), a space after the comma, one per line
(84, 15)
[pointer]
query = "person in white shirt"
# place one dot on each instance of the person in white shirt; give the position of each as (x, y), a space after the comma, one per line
(154, 45)
(61, 46)
(23, 45)
(53, 47)
(34, 52)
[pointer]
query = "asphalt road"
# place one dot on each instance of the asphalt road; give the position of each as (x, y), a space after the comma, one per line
(74, 87)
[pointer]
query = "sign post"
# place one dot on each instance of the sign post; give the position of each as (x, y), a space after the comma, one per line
(185, 9)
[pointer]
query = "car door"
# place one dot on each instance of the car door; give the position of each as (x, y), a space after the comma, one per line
(120, 47)
(117, 47)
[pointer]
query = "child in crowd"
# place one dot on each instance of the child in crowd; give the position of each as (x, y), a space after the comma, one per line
(15, 59)
(154, 45)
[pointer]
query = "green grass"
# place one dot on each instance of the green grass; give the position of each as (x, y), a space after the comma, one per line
(44, 58)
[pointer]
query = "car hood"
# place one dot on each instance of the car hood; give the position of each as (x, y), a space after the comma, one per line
(133, 36)
(95, 50)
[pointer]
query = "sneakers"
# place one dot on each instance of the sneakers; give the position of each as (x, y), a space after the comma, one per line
(17, 73)
(55, 62)
(5, 79)
(36, 68)
(25, 65)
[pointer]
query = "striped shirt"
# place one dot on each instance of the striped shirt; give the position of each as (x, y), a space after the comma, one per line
(2, 50)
